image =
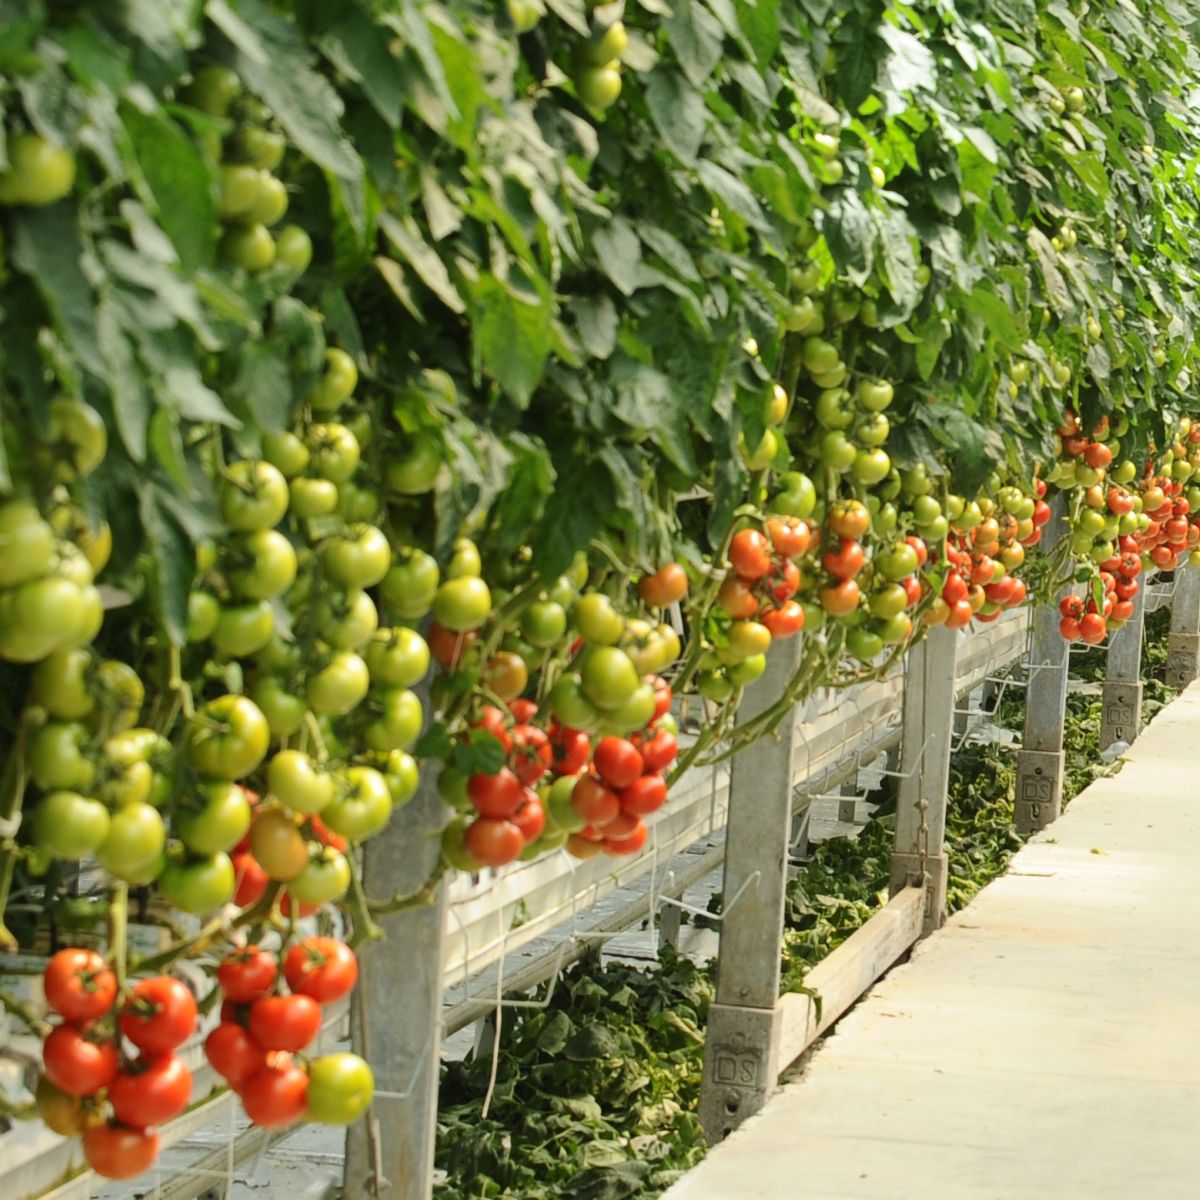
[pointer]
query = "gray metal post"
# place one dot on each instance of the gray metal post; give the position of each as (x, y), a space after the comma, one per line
(397, 1021)
(1183, 645)
(741, 1052)
(1121, 713)
(919, 854)
(1040, 761)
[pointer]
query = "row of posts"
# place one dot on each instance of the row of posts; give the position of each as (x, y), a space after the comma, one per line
(397, 1019)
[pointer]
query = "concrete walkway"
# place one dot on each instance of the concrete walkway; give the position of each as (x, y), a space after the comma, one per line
(1045, 1044)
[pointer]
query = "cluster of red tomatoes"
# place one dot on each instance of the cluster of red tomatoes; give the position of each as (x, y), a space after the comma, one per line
(765, 575)
(1170, 534)
(262, 1027)
(1089, 618)
(980, 584)
(556, 789)
(93, 1085)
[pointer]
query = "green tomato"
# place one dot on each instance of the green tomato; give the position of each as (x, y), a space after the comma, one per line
(80, 438)
(204, 611)
(403, 776)
(837, 451)
(363, 804)
(270, 203)
(340, 1088)
(398, 723)
(819, 356)
(605, 45)
(38, 172)
(337, 384)
(873, 430)
(58, 758)
(715, 686)
(466, 560)
(359, 558)
(560, 812)
(609, 677)
(268, 565)
(888, 601)
(250, 247)
(293, 248)
(833, 409)
(416, 472)
(59, 684)
(870, 466)
(296, 782)
(544, 623)
(49, 608)
(70, 826)
(135, 840)
(897, 561)
(412, 583)
(358, 505)
(198, 885)
(283, 709)
(213, 90)
(237, 191)
(217, 819)
(398, 657)
(597, 620)
(762, 455)
(311, 498)
(348, 621)
(598, 87)
(335, 452)
(340, 686)
(27, 543)
(454, 848)
(452, 788)
(864, 644)
(633, 714)
(326, 878)
(254, 495)
(243, 629)
(798, 498)
(875, 394)
(259, 147)
(287, 452)
(230, 738)
(462, 604)
(746, 671)
(570, 705)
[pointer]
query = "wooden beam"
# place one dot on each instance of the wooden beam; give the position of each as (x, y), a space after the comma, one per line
(843, 976)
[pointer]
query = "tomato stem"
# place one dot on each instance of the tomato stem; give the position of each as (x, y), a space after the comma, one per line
(118, 928)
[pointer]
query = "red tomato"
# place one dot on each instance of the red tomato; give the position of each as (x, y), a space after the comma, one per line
(303, 908)
(1092, 628)
(321, 967)
(1097, 456)
(750, 554)
(523, 711)
(1019, 593)
(1122, 610)
(789, 535)
(119, 1153)
(580, 847)
(660, 751)
(846, 561)
(617, 762)
(1071, 606)
(325, 835)
(784, 581)
(665, 587)
(662, 696)
(247, 974)
(627, 845)
(496, 795)
(912, 589)
(157, 1092)
(530, 818)
(284, 1022)
(446, 646)
(234, 1054)
(954, 589)
(840, 598)
(621, 826)
(493, 841)
(276, 1096)
(571, 750)
(918, 544)
(960, 616)
(532, 754)
(492, 720)
(644, 796)
(736, 598)
(984, 570)
(1000, 592)
(76, 1065)
(787, 619)
(593, 801)
(252, 880)
(159, 1015)
(79, 985)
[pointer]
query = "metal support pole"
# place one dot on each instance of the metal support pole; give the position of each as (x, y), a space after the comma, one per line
(919, 856)
(1121, 714)
(1040, 762)
(396, 1023)
(1183, 645)
(741, 1052)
